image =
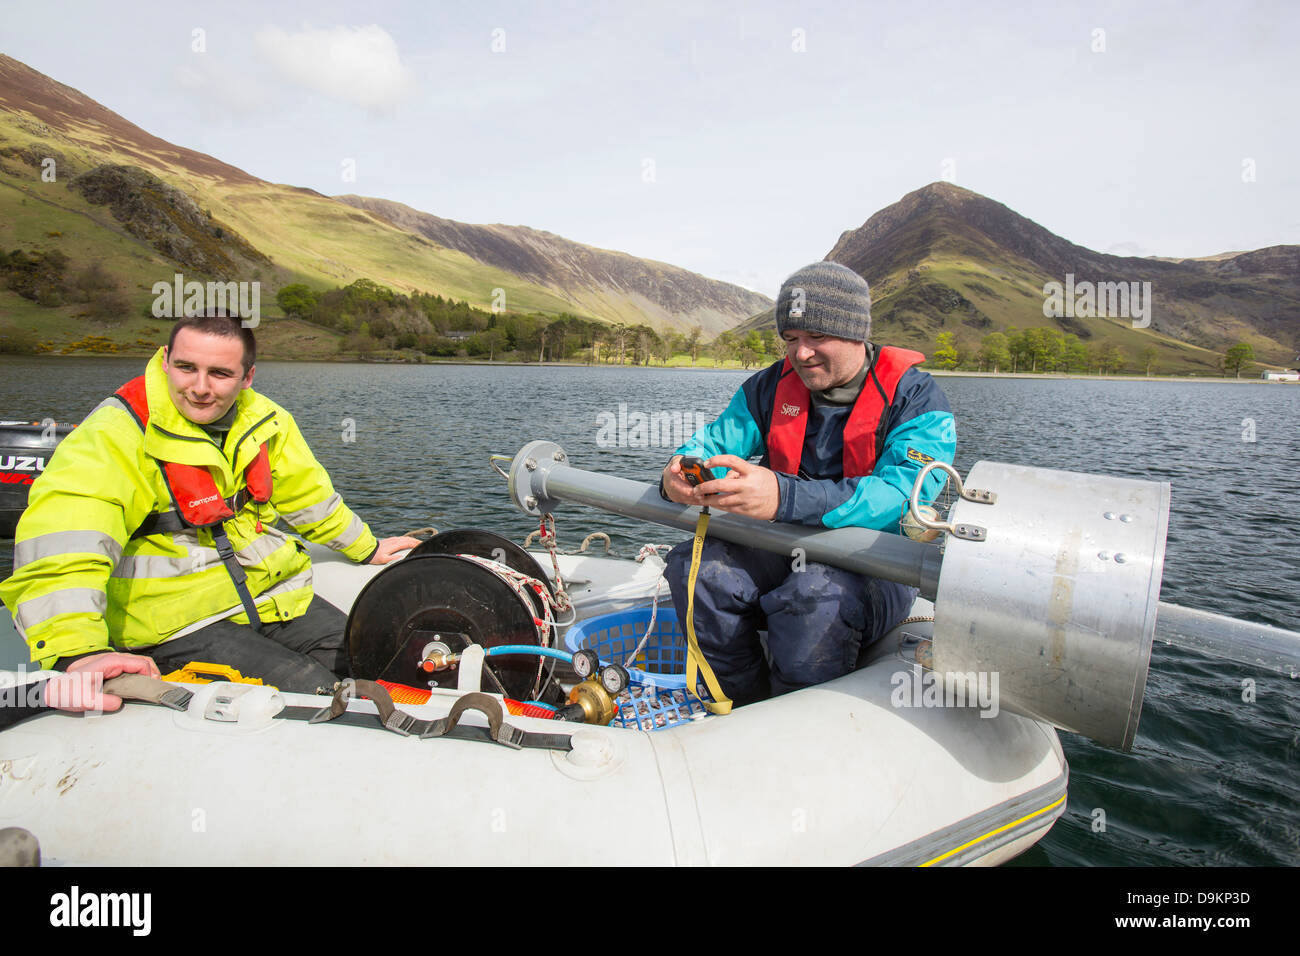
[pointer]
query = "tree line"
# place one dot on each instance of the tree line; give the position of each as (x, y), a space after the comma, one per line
(1050, 350)
(1036, 350)
(374, 318)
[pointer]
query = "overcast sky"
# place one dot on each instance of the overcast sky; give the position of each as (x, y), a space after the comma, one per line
(735, 139)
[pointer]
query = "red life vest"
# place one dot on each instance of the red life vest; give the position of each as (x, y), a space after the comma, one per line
(193, 488)
(790, 414)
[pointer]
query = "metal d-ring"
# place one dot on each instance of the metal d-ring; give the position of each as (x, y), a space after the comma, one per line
(968, 531)
(493, 459)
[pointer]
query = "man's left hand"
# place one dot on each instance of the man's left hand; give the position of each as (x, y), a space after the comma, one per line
(390, 547)
(748, 489)
(81, 688)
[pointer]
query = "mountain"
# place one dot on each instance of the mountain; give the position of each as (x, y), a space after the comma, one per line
(946, 259)
(79, 180)
(600, 282)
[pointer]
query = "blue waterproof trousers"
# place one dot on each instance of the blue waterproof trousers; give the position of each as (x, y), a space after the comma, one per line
(819, 619)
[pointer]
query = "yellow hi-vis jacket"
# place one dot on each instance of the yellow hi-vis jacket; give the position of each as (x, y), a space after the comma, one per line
(81, 583)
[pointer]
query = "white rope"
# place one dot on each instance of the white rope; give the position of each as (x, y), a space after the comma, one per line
(522, 584)
(650, 628)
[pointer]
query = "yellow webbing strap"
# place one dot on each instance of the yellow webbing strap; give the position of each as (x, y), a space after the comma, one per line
(695, 661)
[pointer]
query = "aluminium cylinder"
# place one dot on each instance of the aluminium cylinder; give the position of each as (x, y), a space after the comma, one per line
(1059, 598)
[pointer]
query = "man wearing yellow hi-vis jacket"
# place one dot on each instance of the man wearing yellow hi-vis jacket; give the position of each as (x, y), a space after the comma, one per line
(152, 529)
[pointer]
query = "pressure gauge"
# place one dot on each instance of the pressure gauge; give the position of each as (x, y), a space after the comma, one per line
(585, 663)
(615, 678)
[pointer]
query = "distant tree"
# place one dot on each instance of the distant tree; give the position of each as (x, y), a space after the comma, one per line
(751, 349)
(619, 337)
(1075, 357)
(945, 353)
(1110, 358)
(693, 342)
(994, 353)
(1147, 358)
(89, 282)
(381, 327)
(775, 344)
(645, 342)
(494, 340)
(722, 347)
(360, 341)
(296, 299)
(1236, 357)
(1017, 345)
(559, 334)
(1038, 347)
(668, 346)
(1053, 349)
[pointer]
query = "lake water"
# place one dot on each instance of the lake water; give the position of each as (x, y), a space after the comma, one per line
(1212, 778)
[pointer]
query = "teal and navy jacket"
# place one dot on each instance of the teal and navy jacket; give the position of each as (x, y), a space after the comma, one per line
(919, 428)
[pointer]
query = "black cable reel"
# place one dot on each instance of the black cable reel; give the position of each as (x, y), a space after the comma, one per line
(435, 596)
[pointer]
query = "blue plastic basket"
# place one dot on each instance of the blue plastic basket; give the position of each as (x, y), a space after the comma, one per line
(657, 697)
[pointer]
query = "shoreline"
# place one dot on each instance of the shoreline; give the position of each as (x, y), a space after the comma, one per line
(938, 373)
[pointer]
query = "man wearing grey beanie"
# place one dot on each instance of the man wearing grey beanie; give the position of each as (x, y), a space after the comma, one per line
(842, 428)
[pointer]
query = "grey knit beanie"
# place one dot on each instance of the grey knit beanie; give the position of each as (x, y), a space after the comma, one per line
(825, 297)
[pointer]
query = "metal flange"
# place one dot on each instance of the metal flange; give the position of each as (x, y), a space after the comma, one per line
(527, 476)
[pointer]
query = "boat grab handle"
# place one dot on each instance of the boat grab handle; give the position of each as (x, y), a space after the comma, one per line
(400, 722)
(393, 719)
(486, 705)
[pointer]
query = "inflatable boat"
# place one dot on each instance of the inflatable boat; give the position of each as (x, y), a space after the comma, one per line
(1044, 582)
(835, 774)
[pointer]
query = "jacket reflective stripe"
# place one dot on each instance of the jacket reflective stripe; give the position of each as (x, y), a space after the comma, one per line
(65, 542)
(37, 610)
(199, 559)
(314, 513)
(113, 402)
(355, 529)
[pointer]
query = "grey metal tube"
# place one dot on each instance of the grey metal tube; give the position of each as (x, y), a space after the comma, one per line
(860, 550)
(1258, 645)
(540, 477)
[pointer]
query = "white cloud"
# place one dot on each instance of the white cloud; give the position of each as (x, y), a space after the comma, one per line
(358, 65)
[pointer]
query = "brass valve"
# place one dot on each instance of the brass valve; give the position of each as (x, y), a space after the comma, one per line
(596, 703)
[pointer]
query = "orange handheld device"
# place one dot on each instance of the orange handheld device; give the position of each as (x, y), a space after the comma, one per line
(693, 470)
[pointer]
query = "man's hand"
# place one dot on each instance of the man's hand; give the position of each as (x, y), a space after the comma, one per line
(81, 687)
(676, 487)
(747, 490)
(389, 548)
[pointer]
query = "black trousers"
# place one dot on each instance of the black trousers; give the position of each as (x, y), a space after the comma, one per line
(298, 656)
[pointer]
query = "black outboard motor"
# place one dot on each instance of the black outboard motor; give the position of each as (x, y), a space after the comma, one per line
(24, 450)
